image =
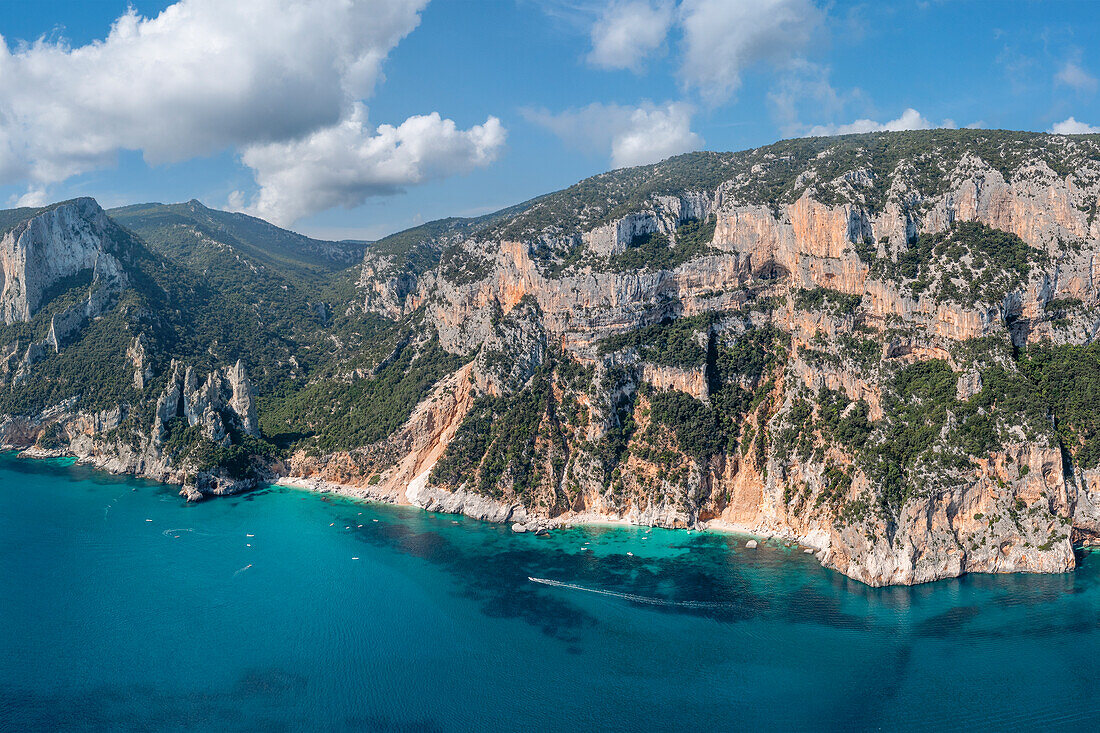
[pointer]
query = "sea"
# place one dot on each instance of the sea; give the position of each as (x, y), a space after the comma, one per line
(124, 608)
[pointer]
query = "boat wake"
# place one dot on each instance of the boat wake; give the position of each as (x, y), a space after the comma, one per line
(246, 567)
(630, 596)
(114, 501)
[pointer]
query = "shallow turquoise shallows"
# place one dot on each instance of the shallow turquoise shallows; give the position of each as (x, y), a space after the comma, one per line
(123, 608)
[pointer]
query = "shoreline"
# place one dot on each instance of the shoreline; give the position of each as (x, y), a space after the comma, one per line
(457, 504)
(586, 519)
(367, 494)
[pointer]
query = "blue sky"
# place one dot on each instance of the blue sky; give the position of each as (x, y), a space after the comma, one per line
(274, 107)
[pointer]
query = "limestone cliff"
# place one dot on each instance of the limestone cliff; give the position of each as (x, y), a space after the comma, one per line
(802, 327)
(61, 242)
(86, 326)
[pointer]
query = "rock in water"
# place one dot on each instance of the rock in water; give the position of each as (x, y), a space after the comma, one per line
(191, 493)
(751, 544)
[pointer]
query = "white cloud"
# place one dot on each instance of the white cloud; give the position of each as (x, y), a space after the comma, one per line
(346, 163)
(629, 31)
(805, 88)
(910, 119)
(1072, 75)
(201, 76)
(34, 196)
(630, 135)
(654, 134)
(280, 81)
(724, 37)
(1070, 126)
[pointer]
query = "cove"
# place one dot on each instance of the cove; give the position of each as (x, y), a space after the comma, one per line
(122, 607)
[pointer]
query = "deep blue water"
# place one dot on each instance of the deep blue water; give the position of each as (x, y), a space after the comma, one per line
(111, 621)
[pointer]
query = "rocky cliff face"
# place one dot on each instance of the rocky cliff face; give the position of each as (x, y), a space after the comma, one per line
(832, 368)
(220, 402)
(62, 242)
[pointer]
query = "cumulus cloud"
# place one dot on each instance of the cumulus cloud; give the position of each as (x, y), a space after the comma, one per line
(722, 38)
(910, 119)
(629, 31)
(35, 196)
(1070, 126)
(630, 135)
(344, 164)
(201, 76)
(205, 76)
(1072, 75)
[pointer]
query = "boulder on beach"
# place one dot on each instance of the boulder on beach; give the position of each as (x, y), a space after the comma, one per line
(519, 528)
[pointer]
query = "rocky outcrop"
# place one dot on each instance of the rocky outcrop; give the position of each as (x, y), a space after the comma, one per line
(143, 370)
(60, 243)
(119, 441)
(223, 395)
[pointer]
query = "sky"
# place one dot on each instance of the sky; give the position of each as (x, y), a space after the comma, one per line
(353, 119)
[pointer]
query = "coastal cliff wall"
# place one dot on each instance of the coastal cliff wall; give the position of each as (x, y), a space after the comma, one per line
(824, 277)
(880, 347)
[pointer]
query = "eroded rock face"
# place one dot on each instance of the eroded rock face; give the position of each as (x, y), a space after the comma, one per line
(143, 370)
(1011, 509)
(60, 243)
(221, 395)
(119, 441)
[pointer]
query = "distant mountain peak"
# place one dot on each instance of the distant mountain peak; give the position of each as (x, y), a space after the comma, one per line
(259, 239)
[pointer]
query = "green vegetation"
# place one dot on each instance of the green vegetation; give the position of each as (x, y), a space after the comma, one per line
(865, 352)
(695, 236)
(209, 287)
(826, 299)
(696, 425)
(654, 251)
(969, 263)
(778, 174)
(495, 446)
(835, 484)
(204, 296)
(165, 227)
(52, 438)
(187, 445)
(11, 218)
(335, 414)
(670, 342)
(460, 267)
(1067, 381)
(94, 368)
(843, 421)
(739, 383)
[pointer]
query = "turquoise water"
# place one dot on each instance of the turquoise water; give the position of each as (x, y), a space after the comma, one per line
(109, 620)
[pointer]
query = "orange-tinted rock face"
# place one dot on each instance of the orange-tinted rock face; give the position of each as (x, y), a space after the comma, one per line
(822, 267)
(808, 245)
